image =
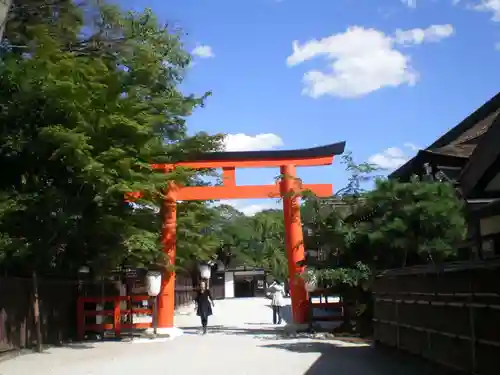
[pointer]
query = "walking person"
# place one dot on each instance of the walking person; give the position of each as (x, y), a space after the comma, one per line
(203, 305)
(278, 301)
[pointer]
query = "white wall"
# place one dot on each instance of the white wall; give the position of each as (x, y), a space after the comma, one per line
(229, 285)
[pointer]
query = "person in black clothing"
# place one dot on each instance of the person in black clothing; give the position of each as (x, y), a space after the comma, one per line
(204, 303)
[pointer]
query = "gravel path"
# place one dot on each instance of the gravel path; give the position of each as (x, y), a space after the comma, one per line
(240, 342)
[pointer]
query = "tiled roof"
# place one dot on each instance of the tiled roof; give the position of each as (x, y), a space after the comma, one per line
(458, 142)
(465, 144)
(455, 149)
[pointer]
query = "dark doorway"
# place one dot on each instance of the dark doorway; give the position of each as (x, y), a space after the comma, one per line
(217, 285)
(244, 287)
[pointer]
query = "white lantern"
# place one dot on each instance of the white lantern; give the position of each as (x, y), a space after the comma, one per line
(205, 271)
(153, 283)
(84, 270)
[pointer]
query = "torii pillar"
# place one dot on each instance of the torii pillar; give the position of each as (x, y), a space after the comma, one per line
(289, 188)
(294, 241)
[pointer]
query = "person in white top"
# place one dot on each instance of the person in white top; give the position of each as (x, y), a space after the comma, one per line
(277, 293)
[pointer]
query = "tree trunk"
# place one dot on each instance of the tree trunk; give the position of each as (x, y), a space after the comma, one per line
(36, 313)
(4, 12)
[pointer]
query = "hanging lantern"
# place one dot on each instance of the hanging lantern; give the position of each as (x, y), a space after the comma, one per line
(153, 283)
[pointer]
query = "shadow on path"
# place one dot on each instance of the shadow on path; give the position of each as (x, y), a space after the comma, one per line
(286, 313)
(325, 325)
(363, 360)
(275, 331)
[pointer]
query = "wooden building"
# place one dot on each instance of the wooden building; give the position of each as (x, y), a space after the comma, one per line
(233, 279)
(242, 282)
(469, 156)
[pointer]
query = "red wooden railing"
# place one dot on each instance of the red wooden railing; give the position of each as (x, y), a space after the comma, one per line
(325, 304)
(116, 313)
(328, 306)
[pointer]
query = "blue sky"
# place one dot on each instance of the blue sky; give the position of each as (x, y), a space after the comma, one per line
(381, 75)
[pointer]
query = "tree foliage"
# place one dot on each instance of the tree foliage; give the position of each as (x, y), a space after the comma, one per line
(255, 241)
(391, 225)
(363, 231)
(412, 222)
(196, 238)
(89, 99)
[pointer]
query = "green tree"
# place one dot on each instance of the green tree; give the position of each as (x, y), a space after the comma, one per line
(392, 225)
(196, 239)
(59, 19)
(410, 223)
(82, 120)
(255, 241)
(325, 221)
(268, 245)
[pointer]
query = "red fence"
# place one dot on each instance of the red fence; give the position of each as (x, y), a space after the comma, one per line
(330, 310)
(119, 317)
(116, 313)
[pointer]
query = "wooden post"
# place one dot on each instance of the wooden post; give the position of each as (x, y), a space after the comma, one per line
(36, 313)
(80, 317)
(155, 315)
(398, 333)
(103, 307)
(472, 322)
(116, 317)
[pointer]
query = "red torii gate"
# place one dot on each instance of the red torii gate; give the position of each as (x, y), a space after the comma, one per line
(288, 188)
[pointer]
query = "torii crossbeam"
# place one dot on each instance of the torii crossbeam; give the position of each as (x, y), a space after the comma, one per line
(288, 188)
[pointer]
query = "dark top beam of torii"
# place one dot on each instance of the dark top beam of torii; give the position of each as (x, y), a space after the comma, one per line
(228, 161)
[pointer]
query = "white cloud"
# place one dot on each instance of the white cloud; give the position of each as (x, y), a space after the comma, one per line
(243, 142)
(433, 33)
(251, 209)
(393, 157)
(410, 3)
(203, 51)
(361, 60)
(492, 6)
(411, 146)
(497, 46)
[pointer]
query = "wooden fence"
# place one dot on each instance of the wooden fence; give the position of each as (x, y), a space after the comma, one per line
(449, 315)
(57, 306)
